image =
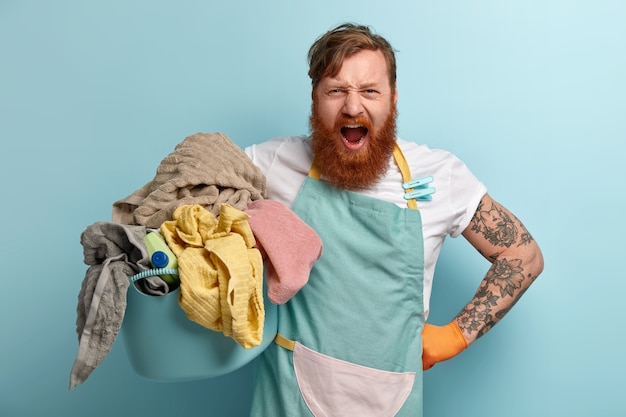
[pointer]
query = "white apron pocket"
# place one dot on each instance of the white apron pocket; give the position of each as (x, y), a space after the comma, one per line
(332, 387)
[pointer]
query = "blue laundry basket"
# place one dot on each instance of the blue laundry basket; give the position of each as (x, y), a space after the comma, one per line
(164, 345)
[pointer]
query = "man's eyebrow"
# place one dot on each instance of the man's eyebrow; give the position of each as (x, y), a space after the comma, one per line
(336, 83)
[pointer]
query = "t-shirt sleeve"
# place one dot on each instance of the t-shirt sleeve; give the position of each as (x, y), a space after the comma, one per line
(465, 196)
(285, 163)
(263, 154)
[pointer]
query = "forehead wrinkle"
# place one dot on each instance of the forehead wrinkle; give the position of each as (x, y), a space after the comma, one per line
(353, 84)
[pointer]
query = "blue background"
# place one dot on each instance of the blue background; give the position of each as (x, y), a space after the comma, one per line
(530, 94)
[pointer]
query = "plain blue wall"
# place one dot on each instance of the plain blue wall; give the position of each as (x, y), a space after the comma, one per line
(531, 94)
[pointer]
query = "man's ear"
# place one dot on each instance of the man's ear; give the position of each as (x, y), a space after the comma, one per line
(395, 96)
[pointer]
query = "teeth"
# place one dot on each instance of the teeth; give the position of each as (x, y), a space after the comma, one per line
(354, 142)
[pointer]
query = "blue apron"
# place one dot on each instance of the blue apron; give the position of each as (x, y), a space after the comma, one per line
(349, 342)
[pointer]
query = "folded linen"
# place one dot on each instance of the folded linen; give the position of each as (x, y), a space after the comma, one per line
(206, 169)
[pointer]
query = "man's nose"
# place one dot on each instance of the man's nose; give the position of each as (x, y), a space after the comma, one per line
(352, 105)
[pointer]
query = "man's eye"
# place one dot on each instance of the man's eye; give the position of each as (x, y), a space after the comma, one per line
(370, 93)
(335, 92)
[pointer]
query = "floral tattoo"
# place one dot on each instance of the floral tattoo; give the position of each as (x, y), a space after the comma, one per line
(504, 279)
(499, 228)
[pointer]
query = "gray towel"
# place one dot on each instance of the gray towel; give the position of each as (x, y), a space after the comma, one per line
(206, 169)
(114, 253)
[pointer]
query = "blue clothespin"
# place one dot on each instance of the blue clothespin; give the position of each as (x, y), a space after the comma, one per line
(419, 189)
(418, 183)
(422, 194)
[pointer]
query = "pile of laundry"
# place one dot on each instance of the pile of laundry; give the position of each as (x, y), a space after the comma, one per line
(208, 203)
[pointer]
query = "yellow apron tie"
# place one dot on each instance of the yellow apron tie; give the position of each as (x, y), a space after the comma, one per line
(284, 342)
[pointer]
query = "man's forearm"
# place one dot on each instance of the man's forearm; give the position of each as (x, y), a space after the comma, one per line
(516, 262)
(503, 285)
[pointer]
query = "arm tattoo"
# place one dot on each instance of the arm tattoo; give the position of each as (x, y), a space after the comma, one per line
(504, 279)
(498, 227)
(507, 278)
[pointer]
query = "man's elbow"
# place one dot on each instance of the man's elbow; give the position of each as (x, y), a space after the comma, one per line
(536, 261)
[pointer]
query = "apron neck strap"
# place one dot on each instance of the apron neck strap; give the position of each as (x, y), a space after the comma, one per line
(314, 171)
(398, 156)
(406, 172)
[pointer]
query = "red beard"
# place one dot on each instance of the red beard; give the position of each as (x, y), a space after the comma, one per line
(353, 169)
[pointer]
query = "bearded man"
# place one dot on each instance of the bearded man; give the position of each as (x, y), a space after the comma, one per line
(353, 341)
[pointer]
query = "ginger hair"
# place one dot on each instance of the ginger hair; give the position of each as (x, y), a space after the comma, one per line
(328, 52)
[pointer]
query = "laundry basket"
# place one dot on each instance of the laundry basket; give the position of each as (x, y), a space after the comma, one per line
(164, 345)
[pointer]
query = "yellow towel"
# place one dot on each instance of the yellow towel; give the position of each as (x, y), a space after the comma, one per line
(220, 270)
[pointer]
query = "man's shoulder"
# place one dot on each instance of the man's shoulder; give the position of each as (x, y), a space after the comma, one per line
(284, 154)
(297, 140)
(414, 150)
(278, 144)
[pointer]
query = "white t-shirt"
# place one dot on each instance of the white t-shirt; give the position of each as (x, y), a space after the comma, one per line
(286, 162)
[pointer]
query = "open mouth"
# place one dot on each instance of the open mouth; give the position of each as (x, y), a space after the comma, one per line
(353, 135)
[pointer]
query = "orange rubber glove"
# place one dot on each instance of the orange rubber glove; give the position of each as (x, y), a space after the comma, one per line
(440, 343)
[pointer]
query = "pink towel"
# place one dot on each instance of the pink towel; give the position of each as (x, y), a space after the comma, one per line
(289, 246)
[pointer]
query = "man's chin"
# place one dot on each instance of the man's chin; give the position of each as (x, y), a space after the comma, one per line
(350, 166)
